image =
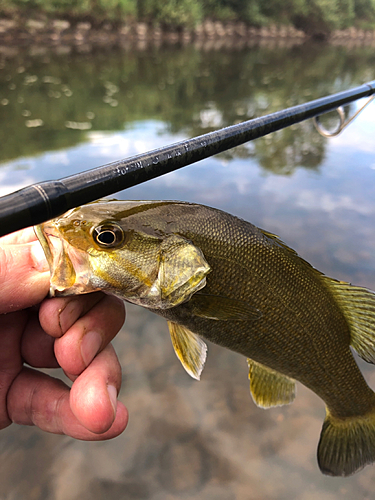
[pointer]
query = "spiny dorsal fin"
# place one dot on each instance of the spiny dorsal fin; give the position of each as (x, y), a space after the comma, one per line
(223, 308)
(189, 348)
(358, 306)
(269, 387)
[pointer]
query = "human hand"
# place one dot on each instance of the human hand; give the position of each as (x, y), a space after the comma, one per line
(73, 333)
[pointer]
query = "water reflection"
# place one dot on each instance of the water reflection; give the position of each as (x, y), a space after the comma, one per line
(50, 102)
(66, 113)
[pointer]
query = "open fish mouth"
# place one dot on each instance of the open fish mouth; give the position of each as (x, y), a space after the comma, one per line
(69, 267)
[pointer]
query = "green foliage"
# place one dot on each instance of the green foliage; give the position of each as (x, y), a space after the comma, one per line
(97, 9)
(223, 10)
(175, 13)
(315, 17)
(312, 16)
(364, 12)
(118, 8)
(364, 8)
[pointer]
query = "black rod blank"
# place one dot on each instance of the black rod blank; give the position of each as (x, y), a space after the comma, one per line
(40, 202)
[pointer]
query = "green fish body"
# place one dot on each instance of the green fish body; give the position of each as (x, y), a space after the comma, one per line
(216, 277)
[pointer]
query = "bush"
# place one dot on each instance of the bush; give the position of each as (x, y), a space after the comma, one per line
(99, 9)
(315, 17)
(171, 13)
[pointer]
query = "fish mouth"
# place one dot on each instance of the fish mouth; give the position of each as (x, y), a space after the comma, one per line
(68, 265)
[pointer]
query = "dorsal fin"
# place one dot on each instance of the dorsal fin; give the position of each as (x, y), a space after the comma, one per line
(269, 387)
(358, 306)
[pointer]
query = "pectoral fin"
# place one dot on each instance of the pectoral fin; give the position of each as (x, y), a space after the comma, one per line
(223, 308)
(189, 348)
(269, 387)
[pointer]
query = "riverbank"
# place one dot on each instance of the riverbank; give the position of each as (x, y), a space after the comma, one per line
(63, 32)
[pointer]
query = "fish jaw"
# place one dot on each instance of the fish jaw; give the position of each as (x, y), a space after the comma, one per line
(69, 266)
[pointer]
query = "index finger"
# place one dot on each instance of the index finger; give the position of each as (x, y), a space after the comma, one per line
(24, 276)
(23, 236)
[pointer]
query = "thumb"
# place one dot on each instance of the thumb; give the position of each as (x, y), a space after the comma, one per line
(24, 276)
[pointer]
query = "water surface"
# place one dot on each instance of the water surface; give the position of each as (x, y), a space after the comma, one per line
(67, 111)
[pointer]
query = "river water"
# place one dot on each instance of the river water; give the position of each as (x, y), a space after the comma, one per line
(66, 111)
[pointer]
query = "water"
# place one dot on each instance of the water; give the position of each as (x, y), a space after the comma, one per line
(65, 112)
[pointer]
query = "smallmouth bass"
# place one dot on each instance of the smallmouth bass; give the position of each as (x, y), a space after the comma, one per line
(216, 277)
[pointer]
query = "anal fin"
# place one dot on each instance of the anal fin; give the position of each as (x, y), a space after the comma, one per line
(189, 348)
(269, 387)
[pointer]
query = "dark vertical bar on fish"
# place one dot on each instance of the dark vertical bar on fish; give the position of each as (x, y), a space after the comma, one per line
(40, 202)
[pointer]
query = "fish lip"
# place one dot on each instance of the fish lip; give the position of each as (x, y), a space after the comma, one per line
(44, 232)
(38, 230)
(67, 268)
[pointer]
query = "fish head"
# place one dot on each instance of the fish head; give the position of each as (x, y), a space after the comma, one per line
(125, 249)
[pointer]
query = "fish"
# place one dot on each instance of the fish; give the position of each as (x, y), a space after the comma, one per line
(215, 277)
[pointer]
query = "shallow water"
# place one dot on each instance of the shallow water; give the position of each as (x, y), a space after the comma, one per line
(65, 112)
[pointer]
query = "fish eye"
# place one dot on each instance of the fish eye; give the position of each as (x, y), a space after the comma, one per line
(108, 235)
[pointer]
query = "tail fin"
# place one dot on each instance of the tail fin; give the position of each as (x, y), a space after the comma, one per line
(346, 445)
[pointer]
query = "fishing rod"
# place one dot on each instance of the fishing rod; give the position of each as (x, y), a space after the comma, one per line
(342, 123)
(46, 200)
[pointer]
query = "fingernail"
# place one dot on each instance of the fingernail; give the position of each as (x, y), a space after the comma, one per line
(90, 346)
(112, 393)
(39, 258)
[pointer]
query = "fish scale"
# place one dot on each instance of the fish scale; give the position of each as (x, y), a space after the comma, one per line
(219, 278)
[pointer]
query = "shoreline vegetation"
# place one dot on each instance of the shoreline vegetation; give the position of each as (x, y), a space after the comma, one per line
(226, 22)
(62, 31)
